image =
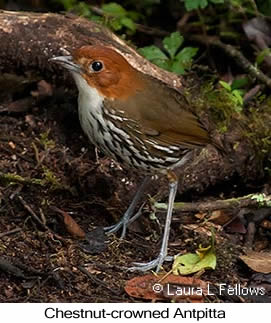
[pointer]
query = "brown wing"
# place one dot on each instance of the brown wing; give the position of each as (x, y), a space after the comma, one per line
(162, 114)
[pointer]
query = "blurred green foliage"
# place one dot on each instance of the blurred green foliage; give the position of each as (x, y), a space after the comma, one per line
(174, 59)
(200, 4)
(119, 18)
(112, 14)
(79, 7)
(264, 7)
(235, 95)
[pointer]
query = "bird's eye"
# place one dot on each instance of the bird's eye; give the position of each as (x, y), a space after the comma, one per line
(96, 66)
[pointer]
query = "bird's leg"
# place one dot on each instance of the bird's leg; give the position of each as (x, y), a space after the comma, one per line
(126, 219)
(173, 184)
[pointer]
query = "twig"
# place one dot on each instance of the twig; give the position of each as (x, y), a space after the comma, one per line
(142, 28)
(9, 151)
(3, 234)
(240, 59)
(151, 31)
(32, 213)
(96, 280)
(37, 219)
(251, 230)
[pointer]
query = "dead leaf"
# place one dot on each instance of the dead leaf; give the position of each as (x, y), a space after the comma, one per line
(205, 229)
(266, 224)
(92, 270)
(236, 226)
(258, 261)
(72, 227)
(30, 119)
(44, 89)
(161, 287)
(200, 216)
(12, 145)
(220, 217)
(9, 292)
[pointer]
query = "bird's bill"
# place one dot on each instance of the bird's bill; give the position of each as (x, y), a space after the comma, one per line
(67, 62)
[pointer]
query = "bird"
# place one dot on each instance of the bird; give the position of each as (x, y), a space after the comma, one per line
(137, 120)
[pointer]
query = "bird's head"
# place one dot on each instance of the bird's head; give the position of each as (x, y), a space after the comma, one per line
(104, 69)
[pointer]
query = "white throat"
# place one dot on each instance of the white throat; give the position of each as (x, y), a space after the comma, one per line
(90, 103)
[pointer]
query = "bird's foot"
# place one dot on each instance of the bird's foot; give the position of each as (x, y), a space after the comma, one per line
(128, 217)
(124, 222)
(156, 263)
(116, 227)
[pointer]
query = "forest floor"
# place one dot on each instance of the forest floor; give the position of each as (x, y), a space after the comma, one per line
(61, 178)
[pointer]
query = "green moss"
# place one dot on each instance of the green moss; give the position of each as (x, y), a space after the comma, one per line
(51, 179)
(45, 141)
(259, 128)
(224, 112)
(221, 105)
(11, 179)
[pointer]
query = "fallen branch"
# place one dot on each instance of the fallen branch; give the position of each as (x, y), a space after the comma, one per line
(251, 200)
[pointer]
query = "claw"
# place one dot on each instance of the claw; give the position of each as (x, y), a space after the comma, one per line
(156, 263)
(124, 222)
(114, 228)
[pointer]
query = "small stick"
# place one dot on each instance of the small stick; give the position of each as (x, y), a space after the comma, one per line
(32, 213)
(96, 280)
(240, 59)
(3, 234)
